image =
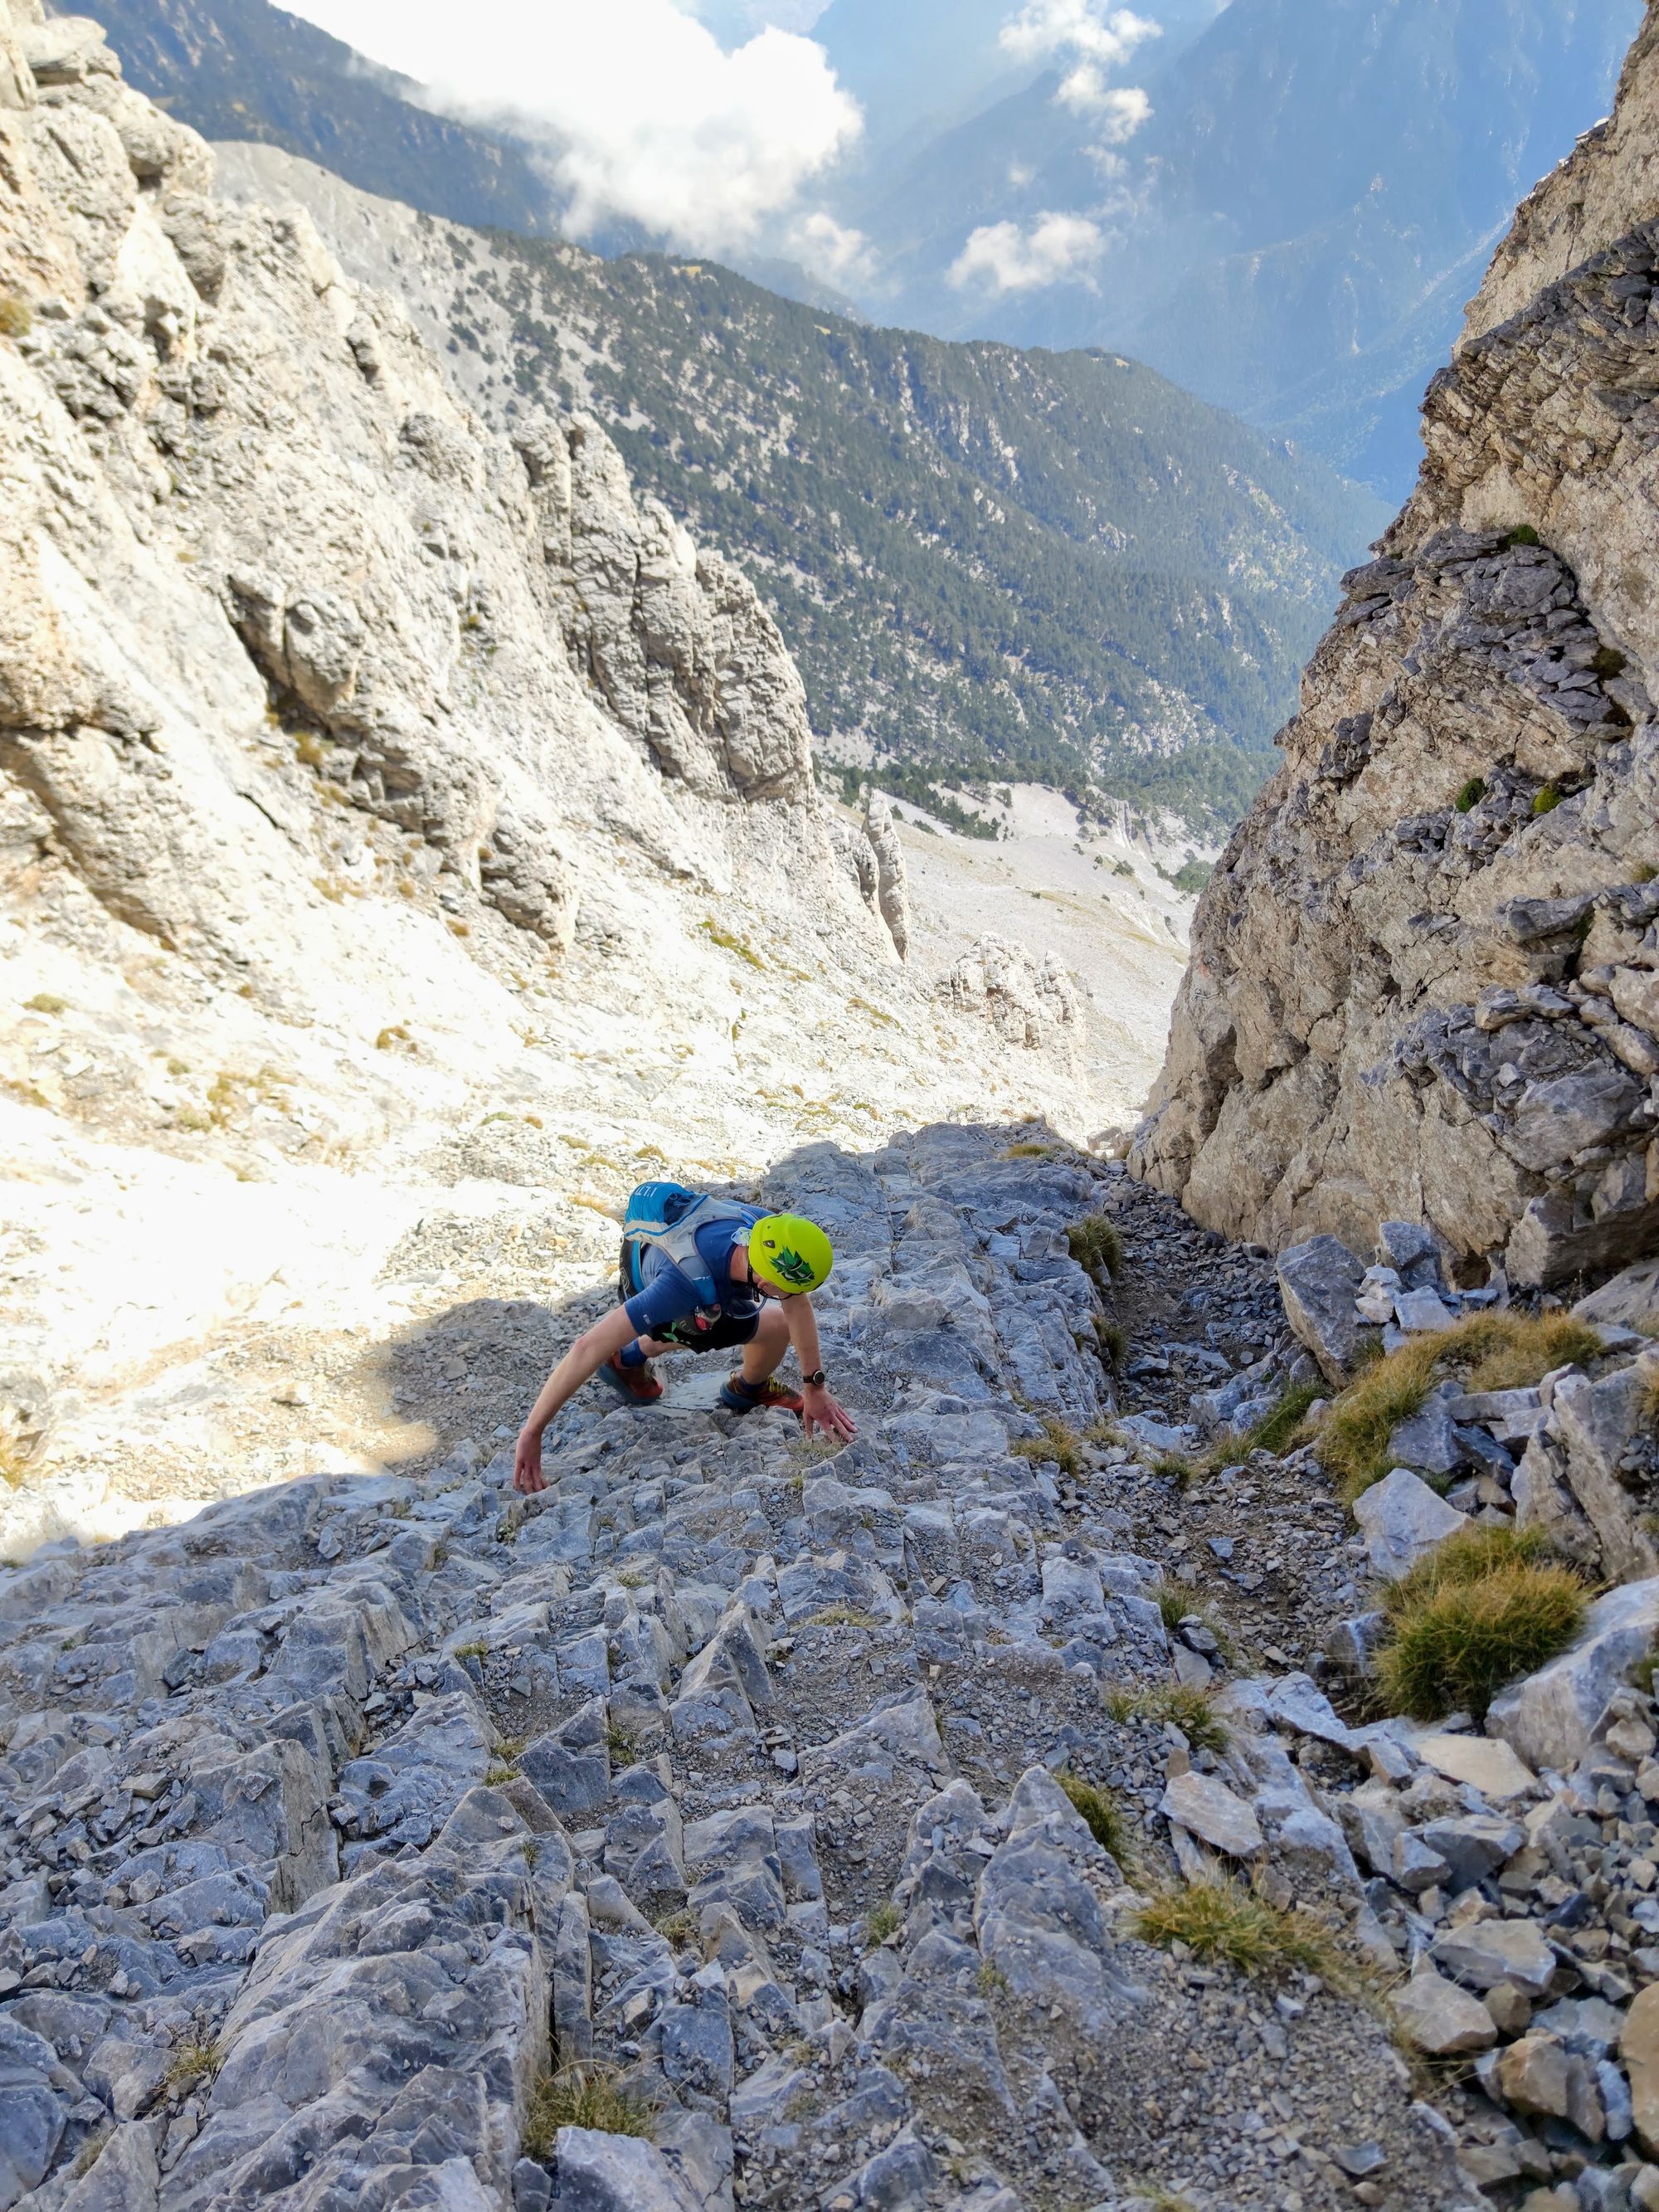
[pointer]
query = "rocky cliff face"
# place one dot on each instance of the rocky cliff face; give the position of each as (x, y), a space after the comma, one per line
(388, 809)
(1423, 977)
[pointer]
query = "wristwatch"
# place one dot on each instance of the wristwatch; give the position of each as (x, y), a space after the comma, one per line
(814, 1381)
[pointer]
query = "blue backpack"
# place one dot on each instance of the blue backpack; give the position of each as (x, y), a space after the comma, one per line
(667, 1215)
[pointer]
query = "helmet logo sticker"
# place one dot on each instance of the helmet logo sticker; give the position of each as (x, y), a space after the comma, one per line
(788, 1266)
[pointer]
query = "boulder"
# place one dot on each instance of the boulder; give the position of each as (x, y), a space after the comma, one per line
(1638, 2046)
(1421, 1312)
(1483, 1952)
(1441, 2019)
(1400, 1519)
(1318, 1282)
(1207, 1809)
(1550, 1718)
(1412, 1251)
(602, 2173)
(1490, 1766)
(1629, 1300)
(1428, 1440)
(1536, 2075)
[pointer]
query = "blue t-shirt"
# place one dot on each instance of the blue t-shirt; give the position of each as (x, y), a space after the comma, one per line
(665, 1295)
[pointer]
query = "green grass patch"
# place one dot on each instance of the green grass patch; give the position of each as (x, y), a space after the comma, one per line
(1059, 1441)
(1471, 795)
(728, 942)
(1546, 801)
(1112, 1343)
(1193, 1711)
(192, 2065)
(1223, 1923)
(1485, 1351)
(1484, 1607)
(588, 2095)
(1102, 1814)
(880, 1922)
(1096, 1245)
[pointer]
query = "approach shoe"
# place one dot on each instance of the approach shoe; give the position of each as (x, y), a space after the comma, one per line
(637, 1384)
(740, 1397)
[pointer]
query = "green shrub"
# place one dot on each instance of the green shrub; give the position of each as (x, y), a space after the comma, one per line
(1471, 795)
(1193, 1711)
(1546, 801)
(1483, 1609)
(1059, 1441)
(880, 1922)
(1096, 1245)
(1112, 1343)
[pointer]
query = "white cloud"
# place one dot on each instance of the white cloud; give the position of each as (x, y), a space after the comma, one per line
(1054, 249)
(1121, 108)
(642, 112)
(1096, 32)
(830, 249)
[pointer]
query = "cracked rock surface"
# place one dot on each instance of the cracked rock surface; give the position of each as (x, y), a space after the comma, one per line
(336, 1815)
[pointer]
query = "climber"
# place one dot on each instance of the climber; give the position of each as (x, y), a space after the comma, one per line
(701, 1274)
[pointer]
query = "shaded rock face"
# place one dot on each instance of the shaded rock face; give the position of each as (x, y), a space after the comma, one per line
(1423, 978)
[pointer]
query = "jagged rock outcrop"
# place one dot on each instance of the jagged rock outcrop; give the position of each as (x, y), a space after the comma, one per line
(1028, 1003)
(1422, 980)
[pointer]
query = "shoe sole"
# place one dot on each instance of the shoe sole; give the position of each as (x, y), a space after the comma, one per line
(608, 1374)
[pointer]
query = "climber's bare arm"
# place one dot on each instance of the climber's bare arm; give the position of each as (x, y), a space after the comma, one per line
(819, 1409)
(584, 1359)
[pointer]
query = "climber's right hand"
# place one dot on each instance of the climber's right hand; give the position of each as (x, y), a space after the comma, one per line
(528, 1476)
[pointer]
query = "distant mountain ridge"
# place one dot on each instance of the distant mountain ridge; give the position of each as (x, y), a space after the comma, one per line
(988, 565)
(241, 69)
(1295, 228)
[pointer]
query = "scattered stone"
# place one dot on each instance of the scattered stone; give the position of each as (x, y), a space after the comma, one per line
(1401, 1518)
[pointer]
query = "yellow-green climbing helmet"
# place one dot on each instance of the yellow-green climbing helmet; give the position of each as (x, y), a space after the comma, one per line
(791, 1253)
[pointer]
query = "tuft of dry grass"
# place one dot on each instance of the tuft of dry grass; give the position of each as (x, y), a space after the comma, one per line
(1112, 1343)
(1485, 1351)
(729, 943)
(585, 2095)
(1487, 1606)
(1028, 1152)
(1222, 1922)
(192, 2063)
(1096, 1245)
(16, 316)
(1059, 1442)
(1178, 1602)
(1193, 1711)
(1102, 1816)
(842, 1616)
(880, 1922)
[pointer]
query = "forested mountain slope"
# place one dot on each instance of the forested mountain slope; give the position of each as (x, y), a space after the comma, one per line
(988, 564)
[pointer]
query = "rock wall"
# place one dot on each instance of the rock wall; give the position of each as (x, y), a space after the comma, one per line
(1423, 978)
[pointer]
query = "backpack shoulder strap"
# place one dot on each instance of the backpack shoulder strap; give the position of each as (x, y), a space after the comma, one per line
(677, 1241)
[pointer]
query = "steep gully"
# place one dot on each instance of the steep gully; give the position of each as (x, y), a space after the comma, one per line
(339, 1814)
